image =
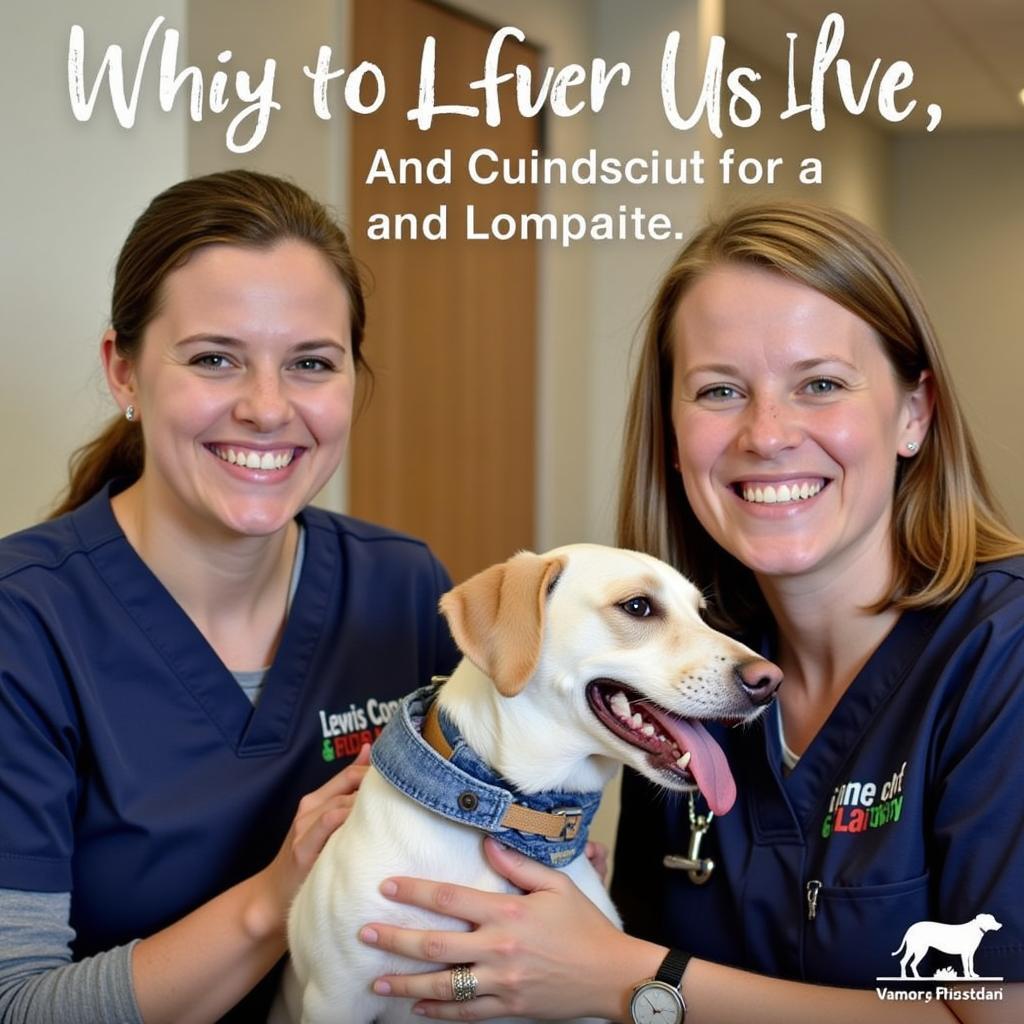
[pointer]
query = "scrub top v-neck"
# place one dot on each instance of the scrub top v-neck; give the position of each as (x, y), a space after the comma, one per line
(246, 730)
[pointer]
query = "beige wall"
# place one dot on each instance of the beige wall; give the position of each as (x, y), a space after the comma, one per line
(624, 275)
(298, 144)
(853, 152)
(957, 216)
(70, 191)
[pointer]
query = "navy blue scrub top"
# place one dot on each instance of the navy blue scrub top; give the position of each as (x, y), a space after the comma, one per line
(907, 806)
(134, 772)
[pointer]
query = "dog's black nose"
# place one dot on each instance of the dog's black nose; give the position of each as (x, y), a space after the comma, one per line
(759, 679)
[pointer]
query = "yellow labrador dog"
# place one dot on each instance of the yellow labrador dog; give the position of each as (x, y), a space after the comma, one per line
(576, 661)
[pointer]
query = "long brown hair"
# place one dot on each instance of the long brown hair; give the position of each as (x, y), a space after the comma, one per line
(240, 208)
(945, 519)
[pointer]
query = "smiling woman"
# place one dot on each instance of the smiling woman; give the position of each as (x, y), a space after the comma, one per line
(176, 643)
(796, 446)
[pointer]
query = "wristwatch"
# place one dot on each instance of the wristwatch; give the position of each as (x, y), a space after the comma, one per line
(659, 1000)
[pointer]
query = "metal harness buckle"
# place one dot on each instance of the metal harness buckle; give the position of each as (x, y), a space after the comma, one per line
(571, 826)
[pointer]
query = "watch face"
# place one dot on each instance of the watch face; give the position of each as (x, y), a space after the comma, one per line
(656, 1003)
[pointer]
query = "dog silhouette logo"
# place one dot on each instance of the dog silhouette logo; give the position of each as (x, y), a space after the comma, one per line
(954, 939)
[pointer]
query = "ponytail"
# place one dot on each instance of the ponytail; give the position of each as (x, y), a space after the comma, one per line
(115, 453)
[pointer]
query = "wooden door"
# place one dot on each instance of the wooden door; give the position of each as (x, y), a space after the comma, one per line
(444, 449)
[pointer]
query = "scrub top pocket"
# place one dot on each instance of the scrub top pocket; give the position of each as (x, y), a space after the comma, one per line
(852, 932)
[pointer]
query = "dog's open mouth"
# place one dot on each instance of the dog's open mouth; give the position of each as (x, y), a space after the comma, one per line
(679, 747)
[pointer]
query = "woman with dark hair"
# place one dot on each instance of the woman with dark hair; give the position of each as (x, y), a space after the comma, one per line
(188, 646)
(794, 445)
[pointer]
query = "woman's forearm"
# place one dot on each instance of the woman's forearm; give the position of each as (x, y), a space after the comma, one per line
(196, 969)
(38, 981)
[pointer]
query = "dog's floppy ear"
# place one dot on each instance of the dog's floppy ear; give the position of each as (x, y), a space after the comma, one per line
(497, 617)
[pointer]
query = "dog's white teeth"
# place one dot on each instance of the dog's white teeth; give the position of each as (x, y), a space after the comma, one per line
(684, 761)
(636, 721)
(662, 737)
(619, 703)
(648, 729)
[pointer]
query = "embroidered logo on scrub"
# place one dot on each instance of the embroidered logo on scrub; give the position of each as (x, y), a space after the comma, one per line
(343, 733)
(859, 806)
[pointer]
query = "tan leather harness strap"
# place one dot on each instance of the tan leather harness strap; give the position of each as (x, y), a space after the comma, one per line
(552, 826)
(563, 825)
(434, 736)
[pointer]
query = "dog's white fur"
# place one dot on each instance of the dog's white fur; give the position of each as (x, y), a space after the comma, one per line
(518, 699)
(958, 939)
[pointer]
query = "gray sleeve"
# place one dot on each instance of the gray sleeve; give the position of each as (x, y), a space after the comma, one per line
(39, 984)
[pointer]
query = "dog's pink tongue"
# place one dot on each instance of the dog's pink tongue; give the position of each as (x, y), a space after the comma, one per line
(708, 765)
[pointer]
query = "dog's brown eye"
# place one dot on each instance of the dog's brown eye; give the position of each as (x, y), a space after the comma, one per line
(638, 607)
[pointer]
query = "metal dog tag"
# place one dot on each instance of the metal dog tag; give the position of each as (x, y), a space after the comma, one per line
(698, 868)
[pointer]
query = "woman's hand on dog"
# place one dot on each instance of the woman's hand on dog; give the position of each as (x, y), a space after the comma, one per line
(547, 954)
(317, 817)
(597, 854)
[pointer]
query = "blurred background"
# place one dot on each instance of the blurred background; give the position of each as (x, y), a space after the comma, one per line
(501, 368)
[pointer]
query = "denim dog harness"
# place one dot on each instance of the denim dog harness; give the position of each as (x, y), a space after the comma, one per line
(463, 788)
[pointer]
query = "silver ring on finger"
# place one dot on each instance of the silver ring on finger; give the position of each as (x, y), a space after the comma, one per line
(464, 983)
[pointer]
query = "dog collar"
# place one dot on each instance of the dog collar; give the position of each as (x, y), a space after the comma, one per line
(449, 778)
(562, 824)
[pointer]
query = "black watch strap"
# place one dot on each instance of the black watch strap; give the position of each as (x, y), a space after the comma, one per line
(672, 967)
